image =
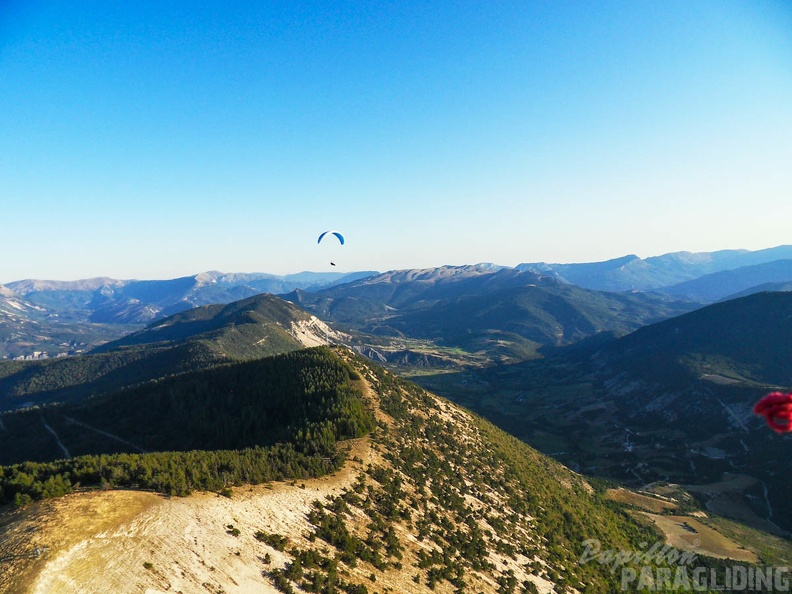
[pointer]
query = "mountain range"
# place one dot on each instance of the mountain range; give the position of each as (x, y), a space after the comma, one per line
(106, 300)
(500, 314)
(44, 318)
(631, 273)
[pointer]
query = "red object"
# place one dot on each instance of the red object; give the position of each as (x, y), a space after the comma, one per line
(776, 408)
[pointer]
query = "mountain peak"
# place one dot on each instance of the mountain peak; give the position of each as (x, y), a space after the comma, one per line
(622, 260)
(208, 277)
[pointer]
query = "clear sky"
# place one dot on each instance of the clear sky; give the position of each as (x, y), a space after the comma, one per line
(160, 139)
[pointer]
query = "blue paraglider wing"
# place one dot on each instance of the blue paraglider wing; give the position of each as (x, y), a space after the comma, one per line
(336, 233)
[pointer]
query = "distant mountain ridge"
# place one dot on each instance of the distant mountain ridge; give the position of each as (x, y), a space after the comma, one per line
(734, 282)
(764, 288)
(107, 300)
(6, 292)
(46, 318)
(633, 273)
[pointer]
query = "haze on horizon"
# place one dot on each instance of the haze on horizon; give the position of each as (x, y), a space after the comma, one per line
(157, 141)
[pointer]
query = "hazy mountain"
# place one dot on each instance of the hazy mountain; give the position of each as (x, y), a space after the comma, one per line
(6, 292)
(719, 285)
(634, 273)
(13, 305)
(505, 312)
(309, 281)
(399, 289)
(255, 327)
(765, 288)
(30, 331)
(106, 300)
(435, 499)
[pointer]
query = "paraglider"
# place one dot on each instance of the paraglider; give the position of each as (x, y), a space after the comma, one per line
(337, 234)
(776, 408)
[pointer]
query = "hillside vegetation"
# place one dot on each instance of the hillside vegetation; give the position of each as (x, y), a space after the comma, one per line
(745, 339)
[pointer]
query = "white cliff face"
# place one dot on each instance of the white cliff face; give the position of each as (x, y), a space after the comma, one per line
(314, 332)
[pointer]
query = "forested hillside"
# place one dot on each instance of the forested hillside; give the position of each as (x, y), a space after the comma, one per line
(255, 327)
(249, 422)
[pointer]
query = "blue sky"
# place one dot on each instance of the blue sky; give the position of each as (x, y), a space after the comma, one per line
(161, 139)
